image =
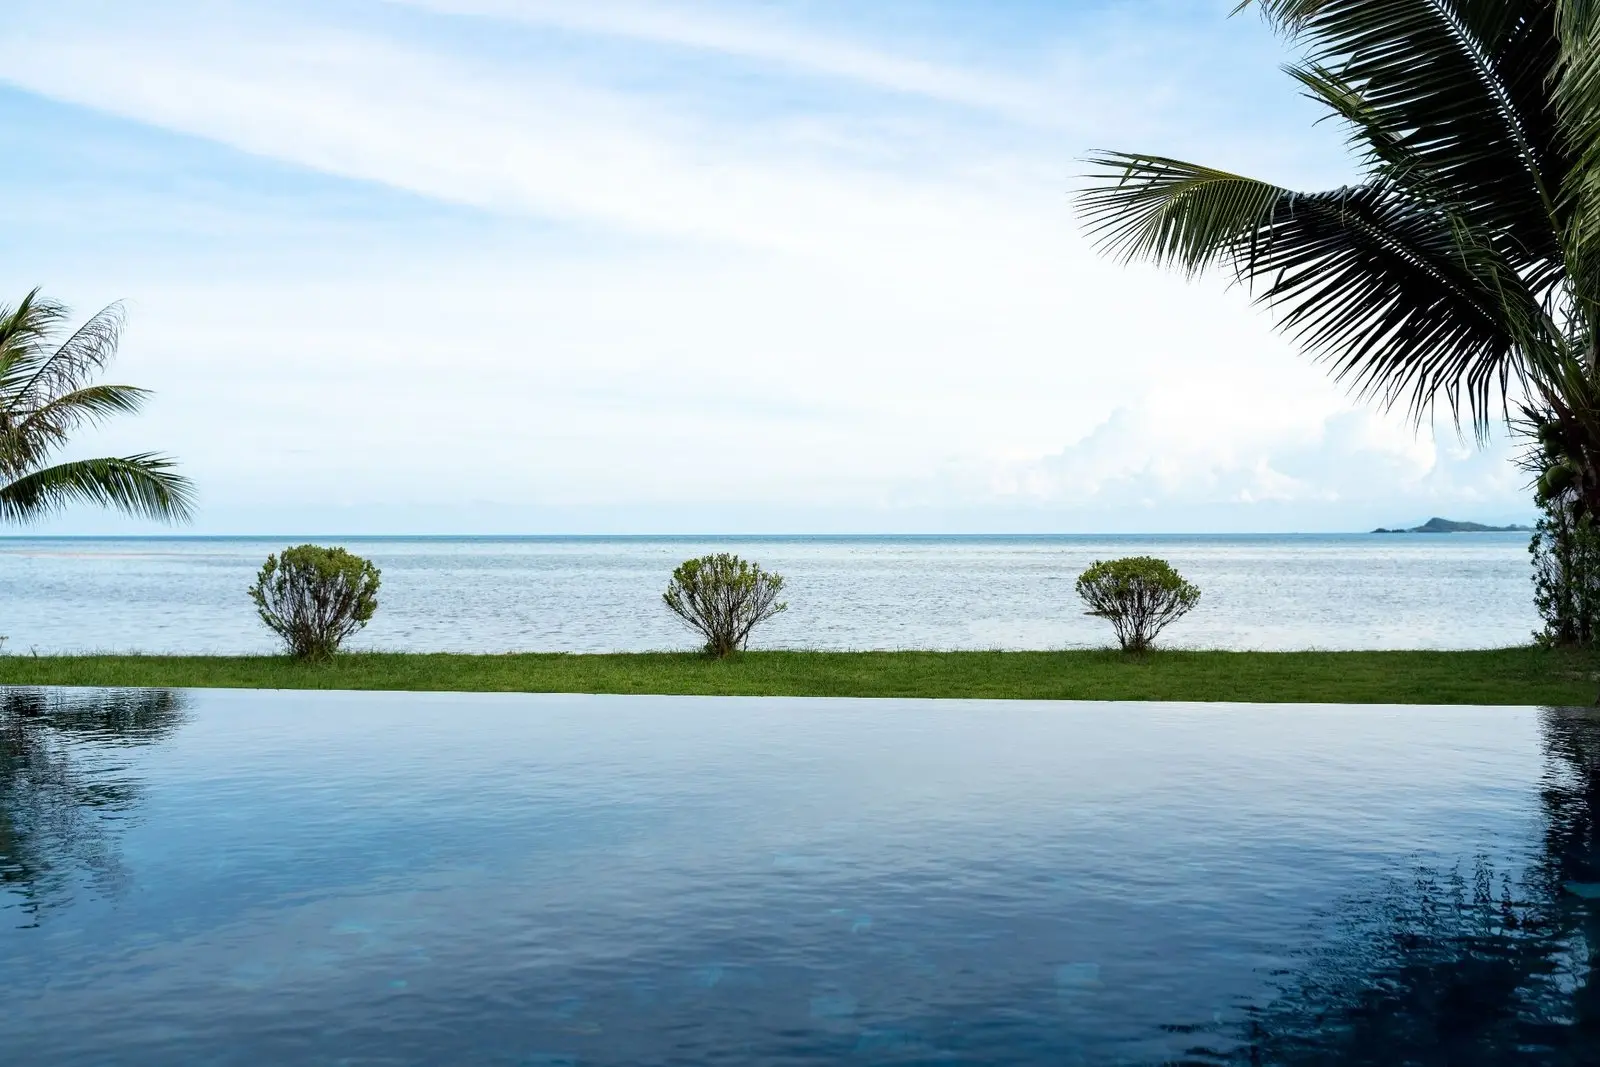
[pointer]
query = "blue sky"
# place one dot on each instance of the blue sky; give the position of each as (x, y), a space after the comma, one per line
(616, 265)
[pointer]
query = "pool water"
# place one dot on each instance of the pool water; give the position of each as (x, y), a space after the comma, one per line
(336, 878)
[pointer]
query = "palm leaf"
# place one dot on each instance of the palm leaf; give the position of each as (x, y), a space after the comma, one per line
(1384, 289)
(23, 330)
(1576, 92)
(1462, 88)
(144, 485)
(1443, 276)
(1173, 213)
(42, 376)
(1387, 293)
(26, 443)
(86, 405)
(1382, 149)
(47, 392)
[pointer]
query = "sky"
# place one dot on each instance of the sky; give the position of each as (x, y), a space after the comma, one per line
(651, 266)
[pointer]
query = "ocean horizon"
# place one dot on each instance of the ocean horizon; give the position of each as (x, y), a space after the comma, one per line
(184, 593)
(784, 536)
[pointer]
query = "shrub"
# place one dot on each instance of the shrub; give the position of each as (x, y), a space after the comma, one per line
(1566, 576)
(315, 597)
(722, 598)
(1140, 596)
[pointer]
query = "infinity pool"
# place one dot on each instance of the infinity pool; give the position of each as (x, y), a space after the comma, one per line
(334, 878)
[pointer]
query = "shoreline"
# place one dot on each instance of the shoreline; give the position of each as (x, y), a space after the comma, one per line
(1525, 676)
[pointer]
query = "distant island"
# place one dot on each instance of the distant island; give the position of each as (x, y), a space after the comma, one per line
(1451, 526)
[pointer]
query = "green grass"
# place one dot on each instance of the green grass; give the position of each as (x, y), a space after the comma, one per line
(1503, 676)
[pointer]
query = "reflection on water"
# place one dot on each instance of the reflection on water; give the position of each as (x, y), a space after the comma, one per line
(328, 878)
(1466, 966)
(58, 803)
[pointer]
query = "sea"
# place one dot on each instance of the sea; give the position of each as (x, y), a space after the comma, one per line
(603, 594)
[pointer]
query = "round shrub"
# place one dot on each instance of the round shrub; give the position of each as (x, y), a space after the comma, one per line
(314, 597)
(722, 598)
(1140, 595)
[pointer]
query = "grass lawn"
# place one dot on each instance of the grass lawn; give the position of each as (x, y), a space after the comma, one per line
(1501, 676)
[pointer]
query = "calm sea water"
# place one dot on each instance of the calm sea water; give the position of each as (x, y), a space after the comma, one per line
(604, 594)
(314, 878)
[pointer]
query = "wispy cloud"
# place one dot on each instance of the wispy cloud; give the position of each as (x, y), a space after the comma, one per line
(503, 140)
(767, 41)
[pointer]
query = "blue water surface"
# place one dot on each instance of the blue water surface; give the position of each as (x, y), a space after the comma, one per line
(337, 878)
(603, 594)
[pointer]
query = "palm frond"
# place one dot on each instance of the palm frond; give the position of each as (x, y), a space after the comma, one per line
(144, 485)
(1288, 15)
(1576, 92)
(1388, 294)
(89, 404)
(1461, 88)
(1393, 294)
(23, 330)
(27, 442)
(1442, 276)
(1173, 213)
(40, 376)
(1383, 152)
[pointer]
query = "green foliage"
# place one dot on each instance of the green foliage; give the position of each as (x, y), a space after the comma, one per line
(47, 391)
(1139, 595)
(1466, 261)
(1509, 676)
(722, 598)
(1566, 575)
(314, 597)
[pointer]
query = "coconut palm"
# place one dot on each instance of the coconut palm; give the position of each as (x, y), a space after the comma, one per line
(1465, 265)
(47, 391)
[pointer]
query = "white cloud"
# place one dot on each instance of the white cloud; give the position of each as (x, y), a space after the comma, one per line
(1141, 457)
(518, 142)
(734, 33)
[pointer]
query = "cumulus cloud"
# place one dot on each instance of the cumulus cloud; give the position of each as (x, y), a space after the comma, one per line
(1139, 458)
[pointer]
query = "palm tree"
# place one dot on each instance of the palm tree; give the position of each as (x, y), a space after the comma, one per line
(46, 392)
(1465, 265)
